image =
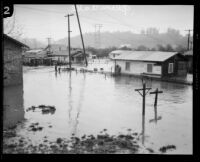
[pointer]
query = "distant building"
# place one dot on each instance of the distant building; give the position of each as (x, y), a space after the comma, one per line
(189, 57)
(12, 57)
(36, 57)
(150, 63)
(78, 57)
(60, 54)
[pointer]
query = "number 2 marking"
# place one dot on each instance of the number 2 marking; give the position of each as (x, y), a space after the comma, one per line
(6, 12)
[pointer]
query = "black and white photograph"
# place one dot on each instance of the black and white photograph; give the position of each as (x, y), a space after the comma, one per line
(98, 79)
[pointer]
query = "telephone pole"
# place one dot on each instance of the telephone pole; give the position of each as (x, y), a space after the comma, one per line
(69, 38)
(143, 94)
(49, 45)
(189, 30)
(81, 36)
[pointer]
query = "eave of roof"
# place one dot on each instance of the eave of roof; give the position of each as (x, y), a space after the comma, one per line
(154, 56)
(14, 40)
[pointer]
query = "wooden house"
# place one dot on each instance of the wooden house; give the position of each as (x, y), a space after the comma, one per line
(36, 57)
(12, 60)
(151, 63)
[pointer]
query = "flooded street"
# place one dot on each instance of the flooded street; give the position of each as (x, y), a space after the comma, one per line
(87, 103)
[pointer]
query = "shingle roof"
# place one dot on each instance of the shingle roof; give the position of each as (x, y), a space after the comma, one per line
(145, 55)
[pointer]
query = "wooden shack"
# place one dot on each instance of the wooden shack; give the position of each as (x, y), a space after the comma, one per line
(151, 63)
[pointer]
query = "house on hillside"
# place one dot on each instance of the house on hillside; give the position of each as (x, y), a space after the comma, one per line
(12, 59)
(189, 57)
(151, 63)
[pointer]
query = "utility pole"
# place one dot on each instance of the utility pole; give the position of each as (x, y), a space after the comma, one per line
(69, 39)
(143, 94)
(97, 35)
(49, 45)
(188, 47)
(81, 36)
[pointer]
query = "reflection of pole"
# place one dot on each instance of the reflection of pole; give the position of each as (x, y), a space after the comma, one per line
(155, 110)
(156, 95)
(143, 108)
(70, 96)
(155, 102)
(143, 113)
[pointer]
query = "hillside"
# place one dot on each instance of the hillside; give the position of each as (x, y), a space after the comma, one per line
(109, 39)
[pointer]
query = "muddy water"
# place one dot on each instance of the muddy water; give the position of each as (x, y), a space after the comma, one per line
(86, 103)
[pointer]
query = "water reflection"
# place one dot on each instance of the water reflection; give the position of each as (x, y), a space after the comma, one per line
(79, 106)
(87, 103)
(13, 105)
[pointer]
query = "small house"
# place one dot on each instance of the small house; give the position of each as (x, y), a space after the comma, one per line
(78, 57)
(35, 57)
(12, 59)
(151, 63)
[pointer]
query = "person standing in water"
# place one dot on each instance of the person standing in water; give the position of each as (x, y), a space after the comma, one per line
(56, 68)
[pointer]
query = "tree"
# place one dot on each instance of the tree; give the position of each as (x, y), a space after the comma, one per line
(160, 47)
(11, 27)
(142, 48)
(180, 48)
(169, 48)
(152, 31)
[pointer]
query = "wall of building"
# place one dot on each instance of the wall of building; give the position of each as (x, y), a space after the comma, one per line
(12, 63)
(139, 67)
(175, 61)
(13, 111)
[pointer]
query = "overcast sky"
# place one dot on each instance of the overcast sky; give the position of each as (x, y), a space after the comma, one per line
(42, 21)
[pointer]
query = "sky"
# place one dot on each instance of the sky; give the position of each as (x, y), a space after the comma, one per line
(42, 21)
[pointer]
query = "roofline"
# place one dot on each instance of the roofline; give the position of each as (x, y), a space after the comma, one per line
(175, 53)
(16, 41)
(138, 60)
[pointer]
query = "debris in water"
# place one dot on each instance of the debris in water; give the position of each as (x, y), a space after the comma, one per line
(168, 147)
(45, 109)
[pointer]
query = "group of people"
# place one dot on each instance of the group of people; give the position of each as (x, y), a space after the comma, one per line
(57, 69)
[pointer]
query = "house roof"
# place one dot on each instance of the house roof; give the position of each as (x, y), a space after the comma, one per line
(120, 51)
(39, 54)
(145, 55)
(34, 51)
(15, 41)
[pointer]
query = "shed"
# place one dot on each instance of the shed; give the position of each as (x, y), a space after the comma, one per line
(12, 57)
(151, 63)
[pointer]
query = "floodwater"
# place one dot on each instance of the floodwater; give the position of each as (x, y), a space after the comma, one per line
(87, 103)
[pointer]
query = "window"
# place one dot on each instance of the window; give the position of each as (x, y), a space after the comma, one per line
(127, 66)
(171, 68)
(149, 68)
